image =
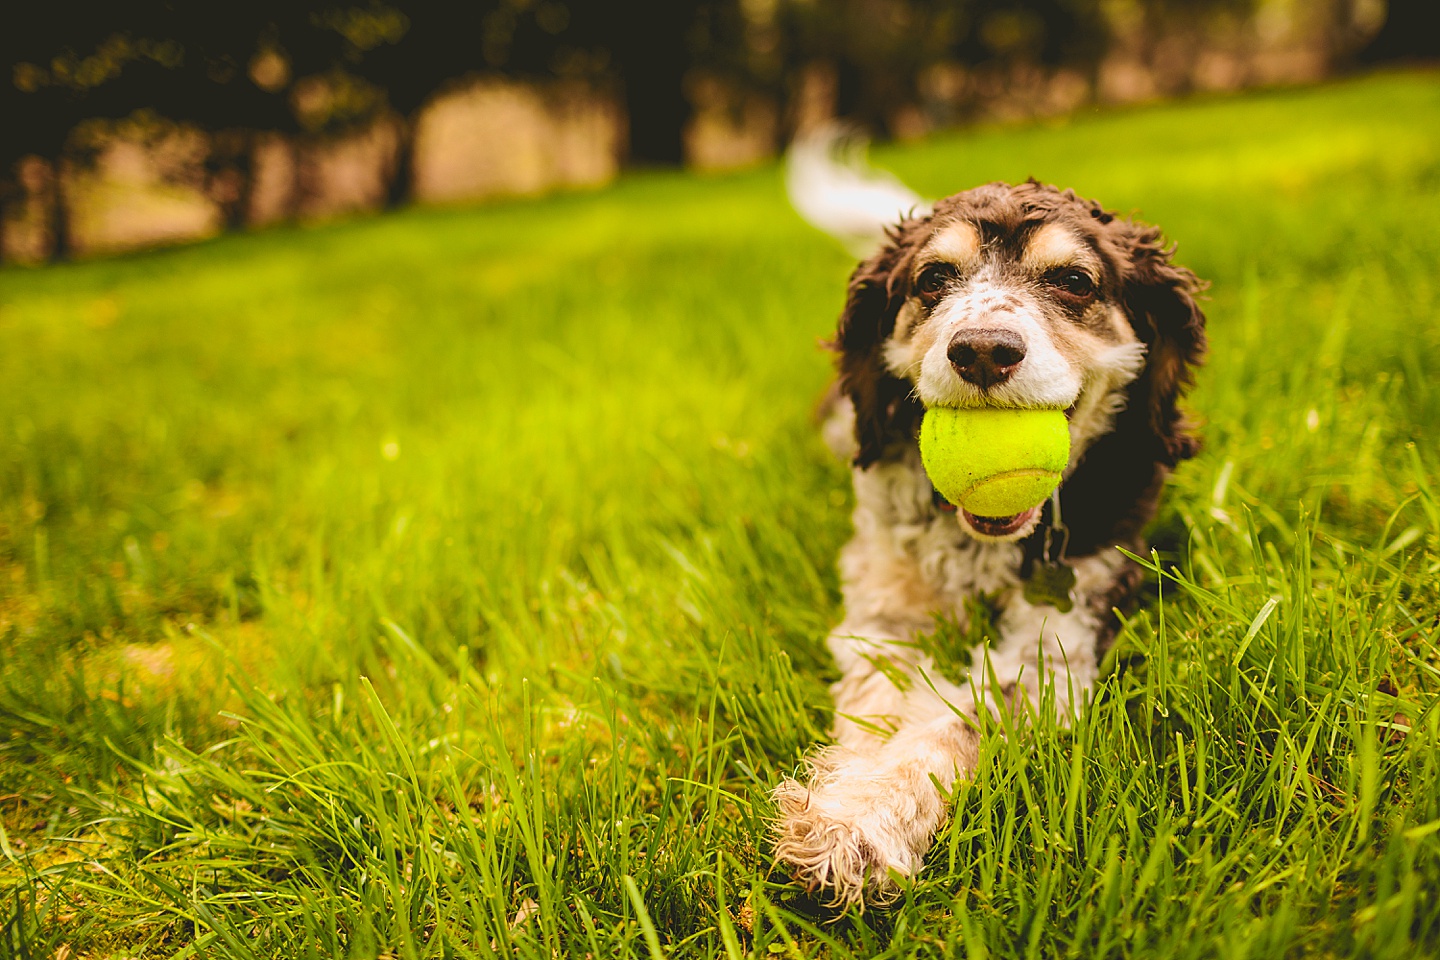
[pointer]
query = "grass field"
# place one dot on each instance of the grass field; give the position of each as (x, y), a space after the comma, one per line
(453, 583)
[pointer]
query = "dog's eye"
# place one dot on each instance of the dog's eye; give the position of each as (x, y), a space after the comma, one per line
(934, 279)
(1074, 283)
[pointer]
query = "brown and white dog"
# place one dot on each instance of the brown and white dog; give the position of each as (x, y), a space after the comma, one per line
(1021, 296)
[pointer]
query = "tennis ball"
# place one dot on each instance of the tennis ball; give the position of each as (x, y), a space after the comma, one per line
(994, 462)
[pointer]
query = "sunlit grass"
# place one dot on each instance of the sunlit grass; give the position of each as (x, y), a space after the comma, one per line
(454, 583)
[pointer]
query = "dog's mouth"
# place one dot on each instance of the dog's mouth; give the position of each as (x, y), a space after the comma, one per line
(1000, 526)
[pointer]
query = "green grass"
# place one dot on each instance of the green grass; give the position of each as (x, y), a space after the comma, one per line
(454, 583)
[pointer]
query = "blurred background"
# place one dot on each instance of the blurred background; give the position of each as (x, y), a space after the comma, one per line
(365, 585)
(139, 123)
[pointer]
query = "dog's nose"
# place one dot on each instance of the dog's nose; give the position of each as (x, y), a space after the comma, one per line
(986, 357)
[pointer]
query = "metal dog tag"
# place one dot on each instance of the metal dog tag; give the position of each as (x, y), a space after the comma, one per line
(1050, 584)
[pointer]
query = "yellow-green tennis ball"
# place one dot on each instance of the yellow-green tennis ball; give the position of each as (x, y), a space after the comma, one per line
(994, 462)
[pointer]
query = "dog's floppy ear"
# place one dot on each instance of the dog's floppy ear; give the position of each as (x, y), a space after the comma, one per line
(1160, 298)
(885, 408)
(1113, 491)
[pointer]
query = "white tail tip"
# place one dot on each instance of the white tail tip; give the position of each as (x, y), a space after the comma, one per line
(833, 187)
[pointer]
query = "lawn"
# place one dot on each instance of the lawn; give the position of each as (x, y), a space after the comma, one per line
(453, 583)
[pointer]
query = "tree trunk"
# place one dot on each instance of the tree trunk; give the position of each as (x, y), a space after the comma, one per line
(59, 215)
(237, 218)
(402, 178)
(654, 78)
(1409, 33)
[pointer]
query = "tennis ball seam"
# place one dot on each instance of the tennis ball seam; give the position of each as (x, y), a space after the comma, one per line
(1036, 474)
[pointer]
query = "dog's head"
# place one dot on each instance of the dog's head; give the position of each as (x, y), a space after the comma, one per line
(1027, 296)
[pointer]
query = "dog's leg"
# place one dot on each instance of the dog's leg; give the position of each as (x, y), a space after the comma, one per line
(871, 805)
(878, 661)
(865, 814)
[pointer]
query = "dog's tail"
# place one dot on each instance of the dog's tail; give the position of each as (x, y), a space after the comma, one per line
(833, 187)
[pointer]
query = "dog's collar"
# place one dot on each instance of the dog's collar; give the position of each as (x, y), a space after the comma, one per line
(1056, 535)
(1049, 580)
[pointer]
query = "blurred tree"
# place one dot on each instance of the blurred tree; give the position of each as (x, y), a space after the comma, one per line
(1410, 32)
(226, 69)
(651, 42)
(447, 42)
(320, 66)
(881, 48)
(642, 47)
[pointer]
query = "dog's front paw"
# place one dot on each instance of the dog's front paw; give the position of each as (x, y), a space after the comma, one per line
(849, 835)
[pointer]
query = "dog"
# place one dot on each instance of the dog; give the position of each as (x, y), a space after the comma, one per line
(1013, 296)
